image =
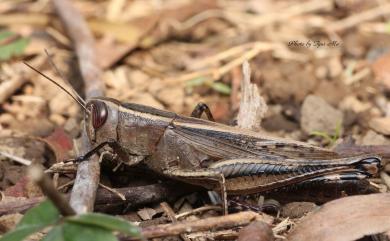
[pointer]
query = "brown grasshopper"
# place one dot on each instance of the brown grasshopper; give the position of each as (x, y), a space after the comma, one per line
(209, 154)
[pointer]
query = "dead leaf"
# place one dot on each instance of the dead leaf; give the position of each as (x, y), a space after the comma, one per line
(23, 188)
(60, 143)
(381, 69)
(146, 213)
(346, 219)
(141, 32)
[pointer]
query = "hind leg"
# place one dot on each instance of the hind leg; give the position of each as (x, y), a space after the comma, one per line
(200, 109)
(206, 178)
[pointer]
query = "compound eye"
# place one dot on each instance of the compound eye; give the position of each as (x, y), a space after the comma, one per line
(99, 114)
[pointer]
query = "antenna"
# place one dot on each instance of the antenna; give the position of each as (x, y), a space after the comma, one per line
(49, 57)
(59, 86)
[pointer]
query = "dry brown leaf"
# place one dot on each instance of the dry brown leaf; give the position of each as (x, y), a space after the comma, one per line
(141, 32)
(381, 70)
(146, 213)
(60, 143)
(346, 219)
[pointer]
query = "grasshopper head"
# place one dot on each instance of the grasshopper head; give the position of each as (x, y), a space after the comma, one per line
(102, 119)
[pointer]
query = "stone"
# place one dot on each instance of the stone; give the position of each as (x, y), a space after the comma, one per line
(380, 125)
(318, 115)
(373, 138)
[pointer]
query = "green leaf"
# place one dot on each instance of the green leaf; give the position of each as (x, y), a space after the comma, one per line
(35, 219)
(11, 45)
(387, 27)
(324, 135)
(56, 234)
(221, 88)
(19, 234)
(81, 232)
(196, 82)
(107, 222)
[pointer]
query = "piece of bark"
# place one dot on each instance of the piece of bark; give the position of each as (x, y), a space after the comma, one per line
(88, 174)
(214, 223)
(346, 219)
(252, 105)
(135, 197)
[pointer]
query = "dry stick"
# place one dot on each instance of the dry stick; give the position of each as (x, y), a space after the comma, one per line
(222, 222)
(17, 159)
(360, 17)
(171, 215)
(37, 175)
(228, 234)
(88, 172)
(250, 50)
(198, 210)
(120, 195)
(278, 15)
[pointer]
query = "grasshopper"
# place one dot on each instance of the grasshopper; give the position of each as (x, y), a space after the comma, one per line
(213, 155)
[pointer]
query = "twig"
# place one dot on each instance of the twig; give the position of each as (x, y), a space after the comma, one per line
(88, 172)
(84, 44)
(66, 185)
(198, 210)
(61, 167)
(16, 158)
(222, 222)
(278, 15)
(228, 234)
(228, 53)
(171, 215)
(250, 50)
(354, 20)
(37, 175)
(120, 195)
(250, 54)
